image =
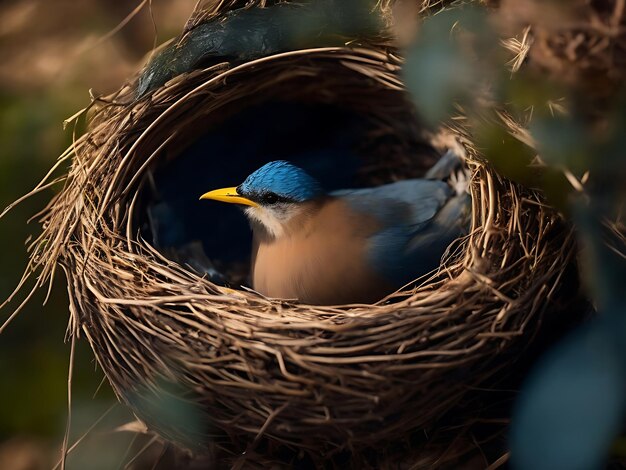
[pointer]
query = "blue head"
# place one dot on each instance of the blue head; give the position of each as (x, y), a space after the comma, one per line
(274, 195)
(280, 181)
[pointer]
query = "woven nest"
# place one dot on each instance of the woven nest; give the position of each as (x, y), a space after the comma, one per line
(317, 379)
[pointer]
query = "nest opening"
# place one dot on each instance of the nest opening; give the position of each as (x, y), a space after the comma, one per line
(342, 137)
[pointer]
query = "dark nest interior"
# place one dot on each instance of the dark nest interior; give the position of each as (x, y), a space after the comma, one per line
(340, 146)
(154, 277)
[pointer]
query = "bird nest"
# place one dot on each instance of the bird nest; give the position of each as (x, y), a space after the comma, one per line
(254, 370)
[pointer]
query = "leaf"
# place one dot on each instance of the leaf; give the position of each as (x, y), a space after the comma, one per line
(572, 406)
(441, 66)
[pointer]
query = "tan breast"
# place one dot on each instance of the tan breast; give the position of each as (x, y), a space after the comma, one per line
(321, 260)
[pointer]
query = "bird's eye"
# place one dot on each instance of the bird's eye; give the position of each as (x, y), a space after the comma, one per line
(270, 198)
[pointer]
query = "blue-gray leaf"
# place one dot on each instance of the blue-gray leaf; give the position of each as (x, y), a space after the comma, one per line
(572, 406)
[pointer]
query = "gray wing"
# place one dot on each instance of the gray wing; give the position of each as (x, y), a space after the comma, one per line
(409, 202)
(420, 219)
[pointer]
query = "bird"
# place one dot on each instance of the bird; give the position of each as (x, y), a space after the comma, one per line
(350, 246)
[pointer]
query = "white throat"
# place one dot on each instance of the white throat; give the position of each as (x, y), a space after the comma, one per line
(273, 220)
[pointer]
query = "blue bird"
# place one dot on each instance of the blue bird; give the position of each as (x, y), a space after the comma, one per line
(347, 246)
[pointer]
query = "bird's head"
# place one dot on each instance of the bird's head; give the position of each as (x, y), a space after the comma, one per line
(273, 195)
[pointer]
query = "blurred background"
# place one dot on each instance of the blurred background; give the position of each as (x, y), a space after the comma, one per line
(53, 53)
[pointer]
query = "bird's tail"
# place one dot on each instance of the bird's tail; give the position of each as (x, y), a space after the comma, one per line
(460, 181)
(450, 168)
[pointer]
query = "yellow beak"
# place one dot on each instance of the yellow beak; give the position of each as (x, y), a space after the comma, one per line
(228, 195)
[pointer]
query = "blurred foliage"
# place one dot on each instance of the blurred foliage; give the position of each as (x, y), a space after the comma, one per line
(573, 407)
(171, 407)
(443, 72)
